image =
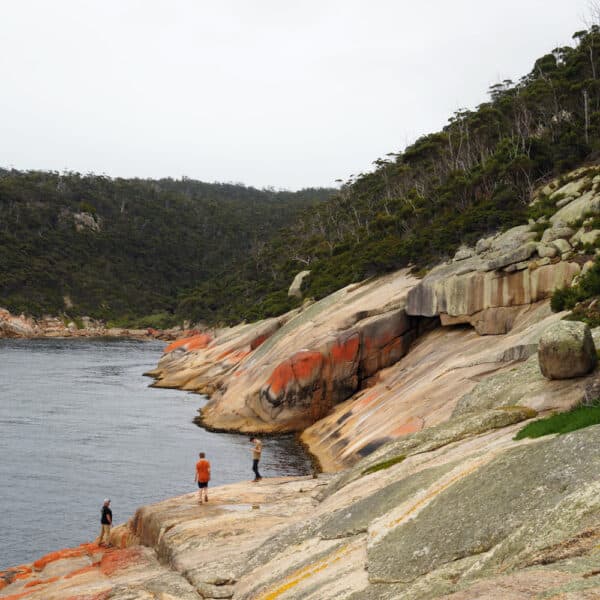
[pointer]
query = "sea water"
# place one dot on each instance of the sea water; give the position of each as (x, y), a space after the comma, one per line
(79, 423)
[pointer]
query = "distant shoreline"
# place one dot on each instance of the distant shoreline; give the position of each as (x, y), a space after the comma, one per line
(53, 327)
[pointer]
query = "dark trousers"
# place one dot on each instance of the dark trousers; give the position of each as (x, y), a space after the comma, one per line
(255, 468)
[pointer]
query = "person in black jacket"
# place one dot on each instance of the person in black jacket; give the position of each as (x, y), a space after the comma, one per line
(106, 522)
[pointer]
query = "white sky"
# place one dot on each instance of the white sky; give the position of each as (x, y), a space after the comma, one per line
(284, 93)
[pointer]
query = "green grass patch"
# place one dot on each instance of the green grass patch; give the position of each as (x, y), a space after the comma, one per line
(384, 464)
(577, 418)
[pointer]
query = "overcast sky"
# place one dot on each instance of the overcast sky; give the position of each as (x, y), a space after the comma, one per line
(277, 93)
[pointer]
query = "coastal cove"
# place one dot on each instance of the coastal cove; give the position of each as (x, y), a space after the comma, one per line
(78, 423)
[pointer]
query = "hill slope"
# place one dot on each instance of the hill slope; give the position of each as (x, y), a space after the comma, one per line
(119, 248)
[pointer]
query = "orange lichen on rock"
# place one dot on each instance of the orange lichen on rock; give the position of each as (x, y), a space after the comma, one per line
(409, 426)
(257, 341)
(117, 560)
(225, 353)
(41, 582)
(176, 344)
(123, 538)
(233, 356)
(82, 550)
(305, 364)
(300, 369)
(280, 378)
(345, 350)
(19, 595)
(366, 399)
(14, 574)
(196, 342)
(88, 569)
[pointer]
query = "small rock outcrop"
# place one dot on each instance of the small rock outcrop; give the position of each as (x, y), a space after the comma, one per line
(12, 326)
(86, 221)
(567, 350)
(296, 287)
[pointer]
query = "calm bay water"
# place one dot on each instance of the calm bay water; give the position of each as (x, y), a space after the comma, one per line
(78, 423)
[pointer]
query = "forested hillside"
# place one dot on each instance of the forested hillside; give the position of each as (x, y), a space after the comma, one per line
(222, 253)
(473, 177)
(124, 250)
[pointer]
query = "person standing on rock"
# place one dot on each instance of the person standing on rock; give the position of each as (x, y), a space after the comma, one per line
(105, 522)
(256, 452)
(202, 477)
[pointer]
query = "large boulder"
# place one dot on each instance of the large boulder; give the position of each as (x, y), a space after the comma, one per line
(456, 290)
(559, 231)
(587, 203)
(296, 286)
(566, 350)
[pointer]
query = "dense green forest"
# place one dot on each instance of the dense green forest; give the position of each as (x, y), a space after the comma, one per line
(126, 250)
(225, 253)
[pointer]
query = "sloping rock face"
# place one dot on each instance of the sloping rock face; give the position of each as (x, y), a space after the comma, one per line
(567, 350)
(446, 372)
(457, 515)
(308, 362)
(341, 370)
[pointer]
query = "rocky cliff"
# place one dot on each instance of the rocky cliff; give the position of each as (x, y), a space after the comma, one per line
(410, 392)
(371, 362)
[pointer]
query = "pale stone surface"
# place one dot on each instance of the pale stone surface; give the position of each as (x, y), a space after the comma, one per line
(463, 253)
(484, 244)
(567, 350)
(424, 388)
(588, 202)
(296, 285)
(524, 385)
(512, 256)
(22, 326)
(516, 493)
(586, 267)
(572, 188)
(465, 513)
(316, 358)
(544, 250)
(564, 201)
(556, 232)
(12, 326)
(585, 237)
(561, 245)
(84, 220)
(444, 290)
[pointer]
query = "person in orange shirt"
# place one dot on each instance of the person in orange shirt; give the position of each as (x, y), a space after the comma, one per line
(202, 477)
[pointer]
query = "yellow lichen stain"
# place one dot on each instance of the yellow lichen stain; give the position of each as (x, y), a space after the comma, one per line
(438, 490)
(305, 573)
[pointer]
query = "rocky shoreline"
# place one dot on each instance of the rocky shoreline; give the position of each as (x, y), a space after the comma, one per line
(410, 392)
(395, 355)
(396, 525)
(23, 326)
